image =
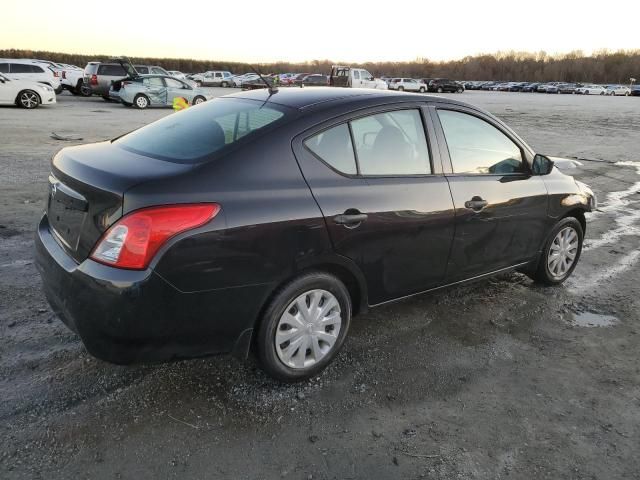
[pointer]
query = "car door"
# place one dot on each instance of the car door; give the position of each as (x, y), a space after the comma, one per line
(386, 204)
(356, 81)
(7, 90)
(501, 208)
(156, 90)
(177, 89)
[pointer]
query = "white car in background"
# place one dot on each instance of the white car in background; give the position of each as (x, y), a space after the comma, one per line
(407, 84)
(177, 74)
(591, 90)
(31, 70)
(618, 90)
(238, 80)
(72, 78)
(25, 93)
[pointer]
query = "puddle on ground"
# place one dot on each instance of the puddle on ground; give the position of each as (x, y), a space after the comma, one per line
(590, 319)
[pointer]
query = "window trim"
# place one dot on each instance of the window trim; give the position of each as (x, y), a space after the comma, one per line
(444, 146)
(386, 109)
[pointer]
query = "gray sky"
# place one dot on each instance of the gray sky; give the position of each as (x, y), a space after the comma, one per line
(327, 29)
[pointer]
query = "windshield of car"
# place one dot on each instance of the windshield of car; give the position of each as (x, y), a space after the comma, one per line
(193, 134)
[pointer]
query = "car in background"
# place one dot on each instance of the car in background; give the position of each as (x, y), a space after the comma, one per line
(144, 91)
(441, 85)
(619, 90)
(238, 80)
(516, 86)
(30, 70)
(72, 79)
(344, 76)
(568, 87)
(213, 78)
(297, 80)
(553, 89)
(529, 87)
(98, 76)
(25, 93)
(634, 90)
(264, 222)
(315, 80)
(591, 90)
(408, 84)
(177, 74)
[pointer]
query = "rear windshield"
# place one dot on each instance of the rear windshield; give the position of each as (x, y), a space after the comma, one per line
(195, 133)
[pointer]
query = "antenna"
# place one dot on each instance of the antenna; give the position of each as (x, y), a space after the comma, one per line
(272, 89)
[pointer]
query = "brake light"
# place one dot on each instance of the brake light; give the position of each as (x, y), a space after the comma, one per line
(56, 73)
(64, 74)
(94, 79)
(134, 240)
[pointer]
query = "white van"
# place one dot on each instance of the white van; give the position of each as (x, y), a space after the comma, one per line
(21, 69)
(354, 77)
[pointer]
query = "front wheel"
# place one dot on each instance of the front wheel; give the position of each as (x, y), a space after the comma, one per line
(439, 90)
(422, 90)
(28, 99)
(224, 84)
(561, 252)
(459, 90)
(198, 100)
(304, 327)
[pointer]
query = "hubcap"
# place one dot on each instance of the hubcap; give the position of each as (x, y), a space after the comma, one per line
(142, 102)
(562, 252)
(308, 329)
(29, 99)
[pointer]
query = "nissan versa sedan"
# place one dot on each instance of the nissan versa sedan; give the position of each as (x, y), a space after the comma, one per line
(263, 221)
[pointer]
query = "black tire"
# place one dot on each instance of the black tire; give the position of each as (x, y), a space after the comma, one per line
(28, 99)
(439, 90)
(224, 84)
(460, 90)
(198, 100)
(422, 90)
(542, 274)
(198, 83)
(401, 88)
(141, 101)
(265, 340)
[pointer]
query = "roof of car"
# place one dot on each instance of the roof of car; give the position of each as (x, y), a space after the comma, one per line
(301, 98)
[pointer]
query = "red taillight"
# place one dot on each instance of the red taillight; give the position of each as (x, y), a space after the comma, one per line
(94, 79)
(133, 240)
(56, 74)
(122, 84)
(64, 74)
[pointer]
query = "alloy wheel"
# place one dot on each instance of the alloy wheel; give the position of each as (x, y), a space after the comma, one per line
(29, 99)
(562, 252)
(308, 329)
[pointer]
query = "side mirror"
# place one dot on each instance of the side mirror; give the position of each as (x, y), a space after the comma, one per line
(542, 165)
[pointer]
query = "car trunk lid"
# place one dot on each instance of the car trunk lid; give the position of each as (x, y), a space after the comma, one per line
(87, 185)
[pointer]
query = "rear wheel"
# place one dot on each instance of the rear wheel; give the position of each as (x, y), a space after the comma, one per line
(459, 90)
(439, 90)
(198, 100)
(224, 84)
(561, 252)
(422, 90)
(28, 99)
(401, 88)
(304, 327)
(141, 101)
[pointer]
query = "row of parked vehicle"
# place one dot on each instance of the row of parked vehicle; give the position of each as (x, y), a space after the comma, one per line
(555, 87)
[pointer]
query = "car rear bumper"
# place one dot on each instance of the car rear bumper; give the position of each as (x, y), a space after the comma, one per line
(129, 316)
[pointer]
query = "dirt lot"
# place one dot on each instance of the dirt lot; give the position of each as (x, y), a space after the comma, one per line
(501, 379)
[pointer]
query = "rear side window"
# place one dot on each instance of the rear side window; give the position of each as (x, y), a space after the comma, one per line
(21, 68)
(335, 148)
(142, 70)
(391, 143)
(111, 70)
(477, 147)
(191, 135)
(4, 68)
(153, 82)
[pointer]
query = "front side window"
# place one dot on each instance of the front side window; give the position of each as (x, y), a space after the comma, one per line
(477, 147)
(173, 83)
(20, 68)
(335, 148)
(391, 143)
(197, 132)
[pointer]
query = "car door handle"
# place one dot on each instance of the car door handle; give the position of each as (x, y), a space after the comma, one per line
(476, 204)
(350, 219)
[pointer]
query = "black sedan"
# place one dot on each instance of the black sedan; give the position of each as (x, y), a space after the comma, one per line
(265, 220)
(315, 80)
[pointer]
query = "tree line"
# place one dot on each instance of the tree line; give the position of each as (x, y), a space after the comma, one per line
(600, 67)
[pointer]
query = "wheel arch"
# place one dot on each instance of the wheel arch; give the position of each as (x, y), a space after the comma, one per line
(578, 214)
(17, 100)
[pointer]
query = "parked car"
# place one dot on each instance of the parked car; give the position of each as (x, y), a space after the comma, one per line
(25, 93)
(29, 70)
(343, 76)
(145, 91)
(441, 85)
(530, 87)
(246, 222)
(297, 80)
(177, 74)
(72, 79)
(634, 90)
(98, 76)
(408, 84)
(618, 90)
(517, 86)
(214, 78)
(315, 80)
(591, 90)
(237, 80)
(568, 87)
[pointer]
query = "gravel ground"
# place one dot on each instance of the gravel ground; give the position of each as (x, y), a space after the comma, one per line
(498, 379)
